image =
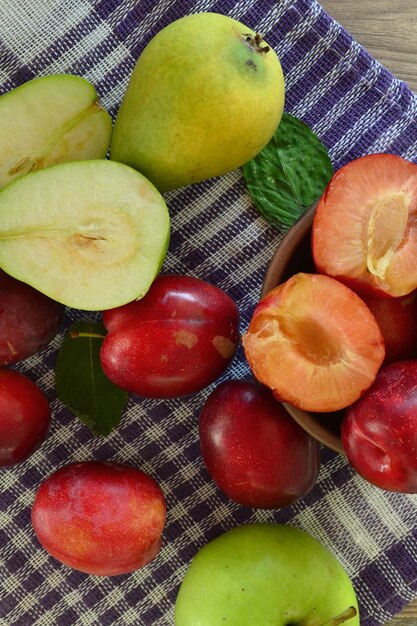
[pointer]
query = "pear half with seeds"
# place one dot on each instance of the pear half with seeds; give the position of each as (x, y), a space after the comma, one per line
(90, 234)
(50, 120)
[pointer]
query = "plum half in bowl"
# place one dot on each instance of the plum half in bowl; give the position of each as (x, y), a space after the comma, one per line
(312, 340)
(292, 256)
(316, 345)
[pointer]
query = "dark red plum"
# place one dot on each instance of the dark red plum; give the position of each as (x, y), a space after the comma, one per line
(397, 320)
(253, 449)
(28, 319)
(25, 416)
(379, 431)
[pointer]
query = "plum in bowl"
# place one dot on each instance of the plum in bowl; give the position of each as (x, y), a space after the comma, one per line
(362, 235)
(293, 256)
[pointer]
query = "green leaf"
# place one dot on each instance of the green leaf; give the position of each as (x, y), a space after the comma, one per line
(289, 174)
(81, 384)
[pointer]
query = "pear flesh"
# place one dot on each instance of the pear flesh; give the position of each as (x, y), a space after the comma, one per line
(50, 120)
(206, 95)
(89, 234)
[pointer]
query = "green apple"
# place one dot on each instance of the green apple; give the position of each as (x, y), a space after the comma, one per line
(206, 95)
(268, 575)
(90, 234)
(49, 120)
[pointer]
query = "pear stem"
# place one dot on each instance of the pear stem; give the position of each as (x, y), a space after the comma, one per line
(255, 41)
(342, 618)
(75, 334)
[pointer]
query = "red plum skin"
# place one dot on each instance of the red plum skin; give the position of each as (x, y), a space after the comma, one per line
(174, 341)
(100, 518)
(28, 320)
(25, 417)
(379, 431)
(253, 449)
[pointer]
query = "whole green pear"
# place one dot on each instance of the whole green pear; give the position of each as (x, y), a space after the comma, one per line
(206, 95)
(266, 575)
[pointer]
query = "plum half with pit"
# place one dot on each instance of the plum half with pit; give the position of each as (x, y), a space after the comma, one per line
(365, 227)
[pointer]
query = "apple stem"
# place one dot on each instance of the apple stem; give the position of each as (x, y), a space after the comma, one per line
(75, 334)
(342, 618)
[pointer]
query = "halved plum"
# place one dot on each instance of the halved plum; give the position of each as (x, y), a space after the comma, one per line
(365, 227)
(315, 343)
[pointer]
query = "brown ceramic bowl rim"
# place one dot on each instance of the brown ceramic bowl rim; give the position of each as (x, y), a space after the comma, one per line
(310, 422)
(286, 249)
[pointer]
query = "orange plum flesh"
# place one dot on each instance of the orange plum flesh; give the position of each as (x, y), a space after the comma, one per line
(365, 226)
(315, 343)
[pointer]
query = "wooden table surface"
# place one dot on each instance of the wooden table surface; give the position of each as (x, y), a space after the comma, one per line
(388, 29)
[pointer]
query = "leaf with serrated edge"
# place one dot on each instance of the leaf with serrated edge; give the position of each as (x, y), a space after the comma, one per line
(81, 384)
(289, 174)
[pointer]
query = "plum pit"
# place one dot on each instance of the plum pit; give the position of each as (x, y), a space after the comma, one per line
(386, 231)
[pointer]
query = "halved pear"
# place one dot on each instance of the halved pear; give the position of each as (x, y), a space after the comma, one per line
(50, 120)
(90, 234)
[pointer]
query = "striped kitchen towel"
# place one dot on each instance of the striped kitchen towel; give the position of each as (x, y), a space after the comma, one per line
(356, 107)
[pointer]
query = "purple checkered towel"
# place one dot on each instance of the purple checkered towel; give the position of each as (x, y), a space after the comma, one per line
(356, 107)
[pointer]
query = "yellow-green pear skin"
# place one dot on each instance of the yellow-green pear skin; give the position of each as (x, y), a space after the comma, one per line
(206, 95)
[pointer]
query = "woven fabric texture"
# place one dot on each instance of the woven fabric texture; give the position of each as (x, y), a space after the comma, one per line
(356, 107)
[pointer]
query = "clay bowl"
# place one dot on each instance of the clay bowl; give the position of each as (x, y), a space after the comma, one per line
(292, 256)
